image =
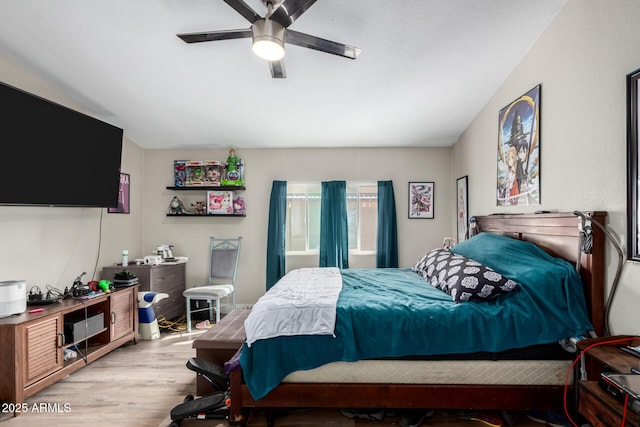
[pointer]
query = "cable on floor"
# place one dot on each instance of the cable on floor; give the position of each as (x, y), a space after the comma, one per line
(178, 325)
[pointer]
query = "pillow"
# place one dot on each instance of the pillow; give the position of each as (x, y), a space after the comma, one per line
(461, 277)
(435, 264)
(421, 265)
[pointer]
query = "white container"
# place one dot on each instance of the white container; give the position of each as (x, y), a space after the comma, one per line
(153, 260)
(13, 297)
(125, 258)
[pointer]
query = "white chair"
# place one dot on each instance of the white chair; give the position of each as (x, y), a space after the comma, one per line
(223, 266)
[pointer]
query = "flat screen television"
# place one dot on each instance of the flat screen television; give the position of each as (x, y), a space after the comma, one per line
(51, 155)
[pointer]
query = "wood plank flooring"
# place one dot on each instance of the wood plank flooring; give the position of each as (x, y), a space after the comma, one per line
(138, 385)
(135, 385)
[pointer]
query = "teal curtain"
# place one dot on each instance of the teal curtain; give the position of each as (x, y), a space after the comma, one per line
(276, 255)
(387, 236)
(334, 233)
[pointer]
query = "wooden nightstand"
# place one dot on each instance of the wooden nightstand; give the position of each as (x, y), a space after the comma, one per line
(595, 404)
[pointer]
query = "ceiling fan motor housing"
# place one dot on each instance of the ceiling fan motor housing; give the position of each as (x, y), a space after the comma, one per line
(268, 39)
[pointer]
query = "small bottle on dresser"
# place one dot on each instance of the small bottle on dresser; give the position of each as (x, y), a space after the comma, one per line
(125, 258)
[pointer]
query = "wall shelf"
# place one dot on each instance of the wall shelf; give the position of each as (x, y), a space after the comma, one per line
(205, 189)
(206, 215)
(209, 188)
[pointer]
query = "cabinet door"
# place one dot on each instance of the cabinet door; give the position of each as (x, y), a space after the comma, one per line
(170, 279)
(122, 313)
(43, 348)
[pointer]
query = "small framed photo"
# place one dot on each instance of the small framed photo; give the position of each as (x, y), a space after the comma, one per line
(421, 196)
(462, 202)
(123, 195)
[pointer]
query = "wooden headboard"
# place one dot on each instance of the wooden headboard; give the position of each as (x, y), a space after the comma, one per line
(558, 234)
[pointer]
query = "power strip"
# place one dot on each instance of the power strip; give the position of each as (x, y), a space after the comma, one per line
(43, 301)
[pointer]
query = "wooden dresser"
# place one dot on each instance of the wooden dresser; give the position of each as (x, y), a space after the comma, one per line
(168, 278)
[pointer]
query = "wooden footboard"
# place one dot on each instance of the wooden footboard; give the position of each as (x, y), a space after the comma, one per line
(558, 234)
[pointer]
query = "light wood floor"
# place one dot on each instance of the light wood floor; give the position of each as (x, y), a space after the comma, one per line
(135, 385)
(138, 385)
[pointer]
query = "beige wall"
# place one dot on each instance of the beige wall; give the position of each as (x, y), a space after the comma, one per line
(191, 235)
(45, 245)
(581, 61)
(54, 245)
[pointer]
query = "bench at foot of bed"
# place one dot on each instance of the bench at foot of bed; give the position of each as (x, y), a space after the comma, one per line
(220, 343)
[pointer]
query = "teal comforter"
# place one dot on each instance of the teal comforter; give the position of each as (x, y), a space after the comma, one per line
(386, 313)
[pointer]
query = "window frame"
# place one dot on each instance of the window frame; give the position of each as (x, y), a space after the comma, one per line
(312, 185)
(307, 186)
(633, 177)
(359, 185)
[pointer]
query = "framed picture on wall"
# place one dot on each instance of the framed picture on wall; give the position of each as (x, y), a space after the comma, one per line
(123, 195)
(462, 203)
(633, 154)
(518, 180)
(421, 196)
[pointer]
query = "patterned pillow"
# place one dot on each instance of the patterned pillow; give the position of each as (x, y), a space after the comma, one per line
(462, 278)
(421, 265)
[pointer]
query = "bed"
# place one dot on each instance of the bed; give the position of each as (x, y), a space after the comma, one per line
(377, 372)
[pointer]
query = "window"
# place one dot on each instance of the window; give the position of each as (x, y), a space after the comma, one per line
(362, 216)
(303, 217)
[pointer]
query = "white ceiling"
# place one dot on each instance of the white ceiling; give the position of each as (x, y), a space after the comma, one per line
(426, 69)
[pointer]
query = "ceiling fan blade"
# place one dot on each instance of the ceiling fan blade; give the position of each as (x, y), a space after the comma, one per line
(323, 45)
(215, 35)
(277, 69)
(290, 10)
(243, 9)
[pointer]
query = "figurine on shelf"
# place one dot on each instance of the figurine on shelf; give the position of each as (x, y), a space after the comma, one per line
(176, 207)
(220, 202)
(232, 161)
(238, 205)
(199, 207)
(213, 172)
(233, 170)
(180, 173)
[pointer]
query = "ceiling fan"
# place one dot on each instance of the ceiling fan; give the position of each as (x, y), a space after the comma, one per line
(271, 32)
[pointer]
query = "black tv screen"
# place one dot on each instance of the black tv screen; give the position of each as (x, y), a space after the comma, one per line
(54, 156)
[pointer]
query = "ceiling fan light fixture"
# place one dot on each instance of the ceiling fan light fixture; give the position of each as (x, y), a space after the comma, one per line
(268, 40)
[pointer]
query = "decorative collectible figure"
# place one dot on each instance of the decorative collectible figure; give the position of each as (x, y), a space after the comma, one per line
(232, 161)
(180, 173)
(238, 205)
(176, 207)
(199, 207)
(212, 175)
(233, 169)
(194, 172)
(198, 175)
